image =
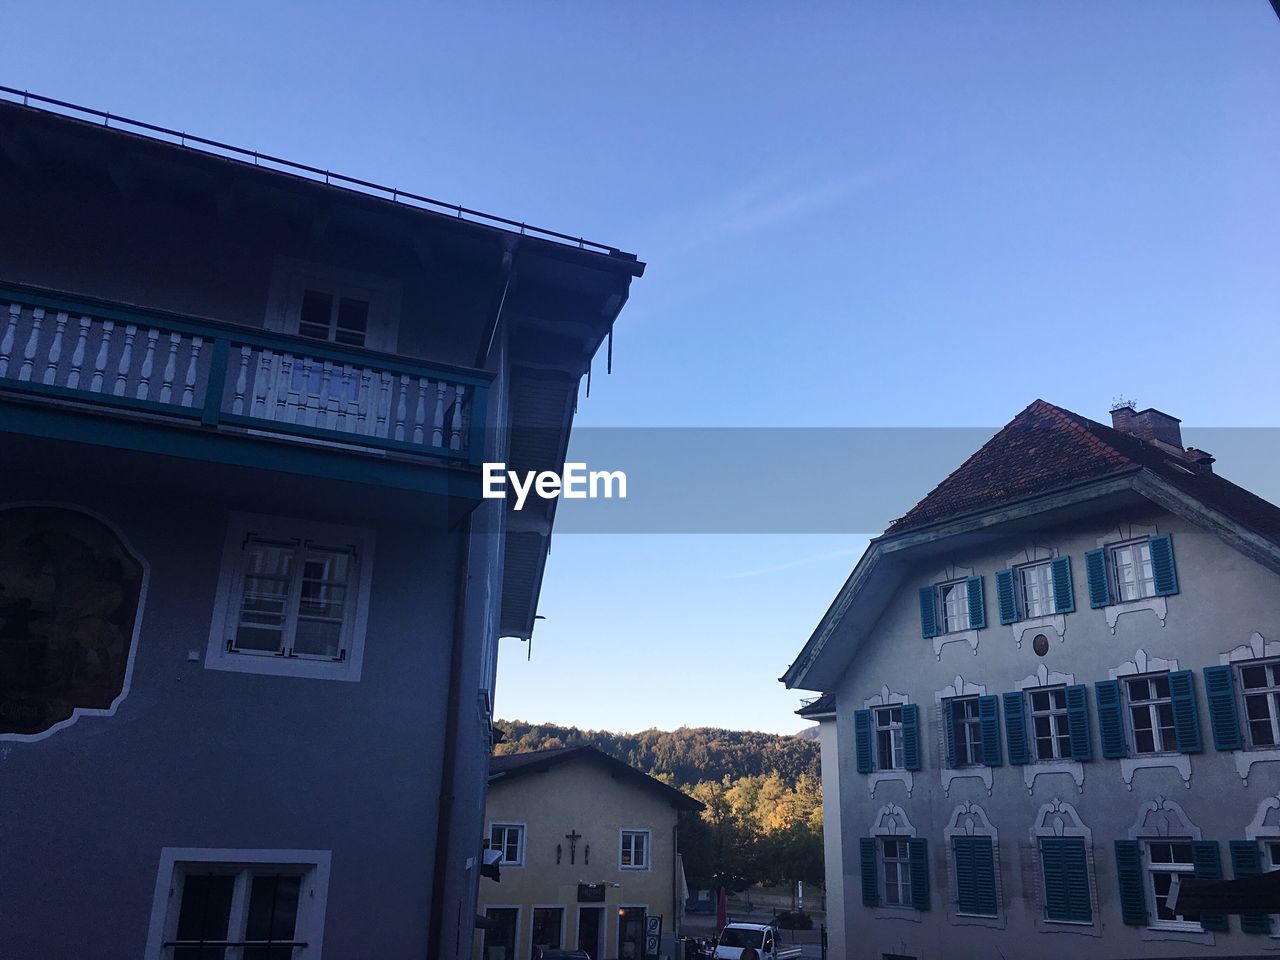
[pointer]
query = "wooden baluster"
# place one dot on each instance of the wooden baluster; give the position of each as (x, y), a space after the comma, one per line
(33, 341)
(437, 427)
(304, 392)
(455, 429)
(262, 384)
(55, 348)
(362, 403)
(100, 362)
(77, 355)
(285, 395)
(148, 365)
(126, 360)
(6, 341)
(242, 381)
(325, 410)
(401, 411)
(189, 387)
(383, 410)
(345, 399)
(170, 369)
(420, 415)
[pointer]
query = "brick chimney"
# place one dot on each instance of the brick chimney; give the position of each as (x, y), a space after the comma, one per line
(1160, 430)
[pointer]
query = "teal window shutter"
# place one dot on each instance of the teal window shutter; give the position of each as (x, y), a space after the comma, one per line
(1106, 693)
(977, 604)
(911, 736)
(1078, 722)
(1015, 726)
(1064, 592)
(1186, 718)
(1133, 899)
(1224, 717)
(870, 879)
(949, 731)
(1006, 598)
(1208, 864)
(928, 613)
(1095, 569)
(1065, 869)
(862, 739)
(975, 876)
(989, 725)
(1246, 861)
(1162, 565)
(918, 858)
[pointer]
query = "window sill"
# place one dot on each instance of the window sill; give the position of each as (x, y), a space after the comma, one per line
(1246, 758)
(1178, 761)
(1037, 768)
(977, 920)
(940, 640)
(1185, 934)
(1156, 605)
(1045, 925)
(910, 914)
(876, 777)
(975, 772)
(281, 666)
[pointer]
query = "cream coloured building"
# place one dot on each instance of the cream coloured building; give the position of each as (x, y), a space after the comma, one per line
(589, 851)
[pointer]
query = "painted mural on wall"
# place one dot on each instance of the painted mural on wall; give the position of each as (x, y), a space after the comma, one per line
(69, 596)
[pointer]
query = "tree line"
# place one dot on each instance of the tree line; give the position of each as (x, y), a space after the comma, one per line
(762, 792)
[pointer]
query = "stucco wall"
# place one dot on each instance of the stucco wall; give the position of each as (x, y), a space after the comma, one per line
(580, 796)
(1224, 598)
(208, 758)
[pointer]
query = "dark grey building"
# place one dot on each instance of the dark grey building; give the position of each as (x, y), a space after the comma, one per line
(250, 592)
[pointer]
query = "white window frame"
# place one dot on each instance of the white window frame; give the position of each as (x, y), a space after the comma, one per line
(628, 832)
(313, 865)
(943, 591)
(1047, 604)
(903, 869)
(219, 656)
(1151, 706)
(1144, 571)
(1059, 725)
(383, 294)
(894, 730)
(523, 832)
(1272, 694)
(1179, 869)
(962, 729)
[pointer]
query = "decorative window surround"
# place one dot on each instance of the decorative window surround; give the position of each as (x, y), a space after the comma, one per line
(637, 842)
(1043, 677)
(1265, 826)
(1055, 622)
(1257, 648)
(970, 820)
(1158, 819)
(946, 575)
(1157, 605)
(1059, 819)
(1140, 664)
(959, 688)
(891, 821)
(883, 699)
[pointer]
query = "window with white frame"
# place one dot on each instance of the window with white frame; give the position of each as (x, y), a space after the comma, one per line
(246, 905)
(967, 728)
(1260, 689)
(508, 839)
(1035, 583)
(889, 737)
(634, 853)
(1167, 859)
(895, 865)
(1150, 714)
(1049, 729)
(953, 606)
(334, 305)
(292, 599)
(1272, 847)
(1131, 570)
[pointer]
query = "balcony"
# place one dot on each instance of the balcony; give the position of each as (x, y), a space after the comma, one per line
(201, 389)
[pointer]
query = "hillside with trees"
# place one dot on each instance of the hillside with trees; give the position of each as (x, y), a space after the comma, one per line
(762, 791)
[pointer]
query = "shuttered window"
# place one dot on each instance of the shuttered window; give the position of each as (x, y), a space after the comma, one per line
(1133, 570)
(975, 876)
(1065, 876)
(1224, 717)
(965, 734)
(1260, 689)
(1246, 862)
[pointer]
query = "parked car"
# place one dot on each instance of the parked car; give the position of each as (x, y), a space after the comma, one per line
(736, 937)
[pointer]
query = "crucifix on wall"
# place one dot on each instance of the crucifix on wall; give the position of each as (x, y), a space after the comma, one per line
(573, 836)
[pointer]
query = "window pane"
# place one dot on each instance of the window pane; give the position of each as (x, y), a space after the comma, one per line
(353, 321)
(316, 316)
(204, 914)
(273, 915)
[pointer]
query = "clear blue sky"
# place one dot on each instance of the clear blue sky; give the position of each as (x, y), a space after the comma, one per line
(884, 213)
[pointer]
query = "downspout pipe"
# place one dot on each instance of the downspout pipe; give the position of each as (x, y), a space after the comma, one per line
(436, 948)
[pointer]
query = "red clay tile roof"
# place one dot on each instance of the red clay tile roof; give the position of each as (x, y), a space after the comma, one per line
(1046, 447)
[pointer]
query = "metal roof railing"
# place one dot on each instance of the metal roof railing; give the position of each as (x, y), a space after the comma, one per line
(302, 170)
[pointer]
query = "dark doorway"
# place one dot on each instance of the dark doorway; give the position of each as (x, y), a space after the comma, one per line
(500, 937)
(590, 928)
(631, 933)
